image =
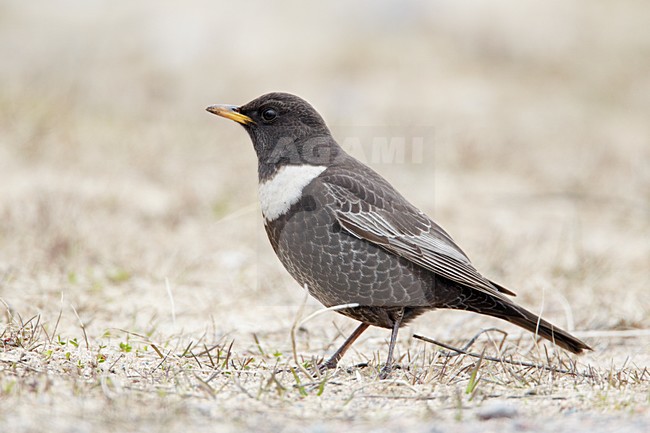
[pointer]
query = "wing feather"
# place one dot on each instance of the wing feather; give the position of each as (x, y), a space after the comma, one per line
(406, 232)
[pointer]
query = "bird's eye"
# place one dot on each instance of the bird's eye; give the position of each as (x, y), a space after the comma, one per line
(269, 114)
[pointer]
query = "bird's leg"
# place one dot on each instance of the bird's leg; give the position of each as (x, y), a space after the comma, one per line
(388, 367)
(334, 359)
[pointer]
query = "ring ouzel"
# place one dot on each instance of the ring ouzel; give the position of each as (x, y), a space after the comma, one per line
(346, 234)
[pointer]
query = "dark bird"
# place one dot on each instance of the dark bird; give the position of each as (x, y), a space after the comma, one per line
(346, 234)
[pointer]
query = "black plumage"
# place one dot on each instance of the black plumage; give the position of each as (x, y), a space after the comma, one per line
(345, 233)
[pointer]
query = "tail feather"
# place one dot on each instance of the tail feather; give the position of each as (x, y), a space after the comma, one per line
(502, 308)
(533, 323)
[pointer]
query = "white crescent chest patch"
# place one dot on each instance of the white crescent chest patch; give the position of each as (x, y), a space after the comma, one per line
(284, 189)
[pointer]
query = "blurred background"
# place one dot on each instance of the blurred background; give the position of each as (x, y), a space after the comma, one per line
(117, 188)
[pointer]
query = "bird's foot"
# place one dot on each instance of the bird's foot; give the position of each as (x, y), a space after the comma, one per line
(321, 368)
(330, 364)
(385, 371)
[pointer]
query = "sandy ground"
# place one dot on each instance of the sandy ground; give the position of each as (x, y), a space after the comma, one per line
(139, 293)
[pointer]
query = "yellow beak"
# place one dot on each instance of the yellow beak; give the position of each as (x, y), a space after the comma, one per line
(230, 112)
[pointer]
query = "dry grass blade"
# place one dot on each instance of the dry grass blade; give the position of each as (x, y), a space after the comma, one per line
(82, 326)
(459, 351)
(298, 322)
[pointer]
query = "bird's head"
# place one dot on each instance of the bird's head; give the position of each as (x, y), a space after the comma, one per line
(285, 130)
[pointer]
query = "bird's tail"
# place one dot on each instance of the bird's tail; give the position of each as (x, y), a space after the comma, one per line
(533, 323)
(483, 303)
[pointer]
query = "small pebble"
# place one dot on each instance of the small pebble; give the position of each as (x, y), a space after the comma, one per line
(496, 410)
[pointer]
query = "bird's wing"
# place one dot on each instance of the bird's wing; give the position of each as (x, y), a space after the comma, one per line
(381, 216)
